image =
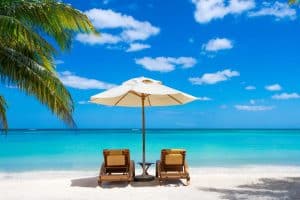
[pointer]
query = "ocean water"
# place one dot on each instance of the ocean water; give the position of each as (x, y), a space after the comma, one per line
(27, 150)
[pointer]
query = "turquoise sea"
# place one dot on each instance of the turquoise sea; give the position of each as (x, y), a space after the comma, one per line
(26, 150)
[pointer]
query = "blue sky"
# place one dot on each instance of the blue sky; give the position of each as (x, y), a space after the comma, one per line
(240, 56)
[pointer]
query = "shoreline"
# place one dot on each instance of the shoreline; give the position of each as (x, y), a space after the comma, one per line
(249, 182)
(32, 130)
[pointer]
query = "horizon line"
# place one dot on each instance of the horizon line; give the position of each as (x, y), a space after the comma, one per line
(80, 129)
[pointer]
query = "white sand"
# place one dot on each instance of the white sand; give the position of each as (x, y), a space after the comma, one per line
(206, 183)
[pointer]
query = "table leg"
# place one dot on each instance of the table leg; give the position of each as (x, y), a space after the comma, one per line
(146, 170)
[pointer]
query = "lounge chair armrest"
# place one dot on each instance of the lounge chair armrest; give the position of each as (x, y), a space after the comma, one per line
(102, 170)
(186, 167)
(157, 168)
(158, 163)
(132, 169)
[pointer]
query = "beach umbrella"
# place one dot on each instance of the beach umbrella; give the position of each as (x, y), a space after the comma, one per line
(142, 92)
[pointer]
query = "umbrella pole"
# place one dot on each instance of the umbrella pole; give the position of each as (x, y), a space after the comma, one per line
(143, 133)
(144, 177)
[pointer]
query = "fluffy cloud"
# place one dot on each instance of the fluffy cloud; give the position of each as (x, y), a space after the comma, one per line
(165, 64)
(185, 62)
(208, 10)
(125, 28)
(253, 108)
(286, 96)
(71, 80)
(92, 39)
(278, 10)
(274, 87)
(213, 78)
(137, 47)
(217, 44)
(250, 87)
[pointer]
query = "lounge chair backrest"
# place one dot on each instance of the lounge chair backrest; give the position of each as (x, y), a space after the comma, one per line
(116, 160)
(173, 159)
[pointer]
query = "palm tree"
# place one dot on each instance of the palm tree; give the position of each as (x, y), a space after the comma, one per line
(27, 58)
(293, 1)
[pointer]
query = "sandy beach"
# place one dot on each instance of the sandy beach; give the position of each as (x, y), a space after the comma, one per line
(203, 90)
(248, 182)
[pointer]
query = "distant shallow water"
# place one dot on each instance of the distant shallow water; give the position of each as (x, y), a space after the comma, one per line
(27, 150)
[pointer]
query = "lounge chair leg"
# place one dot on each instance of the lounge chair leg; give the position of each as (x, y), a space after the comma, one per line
(100, 183)
(188, 181)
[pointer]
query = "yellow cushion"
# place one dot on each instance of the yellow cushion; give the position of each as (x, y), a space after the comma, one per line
(175, 150)
(174, 159)
(115, 152)
(115, 160)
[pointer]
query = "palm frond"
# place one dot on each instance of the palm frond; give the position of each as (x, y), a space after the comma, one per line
(56, 19)
(3, 120)
(293, 1)
(14, 35)
(26, 58)
(33, 79)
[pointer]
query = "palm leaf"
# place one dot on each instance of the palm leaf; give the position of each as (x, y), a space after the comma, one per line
(26, 58)
(14, 35)
(56, 19)
(293, 1)
(3, 120)
(33, 79)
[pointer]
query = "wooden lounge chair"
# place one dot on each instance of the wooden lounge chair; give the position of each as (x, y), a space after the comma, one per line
(172, 166)
(117, 166)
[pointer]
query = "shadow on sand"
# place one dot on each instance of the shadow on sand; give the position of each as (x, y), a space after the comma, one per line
(267, 188)
(85, 182)
(155, 183)
(92, 182)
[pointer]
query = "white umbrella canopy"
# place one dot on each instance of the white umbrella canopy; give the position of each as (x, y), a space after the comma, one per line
(142, 92)
(129, 94)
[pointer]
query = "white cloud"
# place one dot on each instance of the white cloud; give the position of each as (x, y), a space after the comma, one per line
(138, 34)
(250, 87)
(274, 87)
(185, 62)
(137, 47)
(204, 99)
(253, 108)
(213, 78)
(125, 28)
(71, 80)
(217, 44)
(286, 96)
(92, 39)
(208, 10)
(165, 64)
(278, 10)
